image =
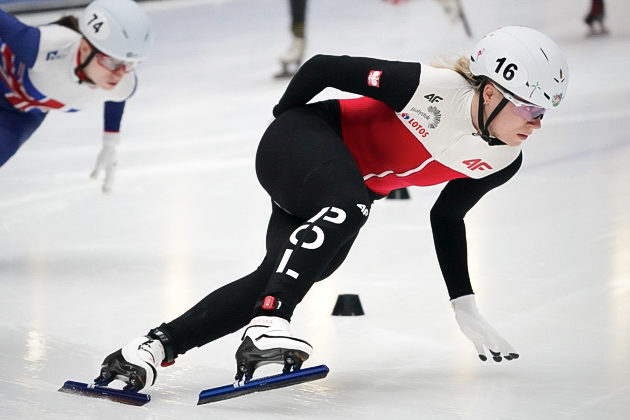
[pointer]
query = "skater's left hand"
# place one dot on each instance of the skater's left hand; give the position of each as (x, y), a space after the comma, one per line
(106, 160)
(479, 331)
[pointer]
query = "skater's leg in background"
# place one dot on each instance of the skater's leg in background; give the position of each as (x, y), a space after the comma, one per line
(15, 128)
(292, 57)
(455, 12)
(596, 12)
(595, 18)
(298, 17)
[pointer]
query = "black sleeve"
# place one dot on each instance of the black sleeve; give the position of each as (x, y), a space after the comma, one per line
(396, 84)
(449, 231)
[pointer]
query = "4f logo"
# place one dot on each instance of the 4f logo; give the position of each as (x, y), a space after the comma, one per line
(364, 209)
(476, 164)
(433, 98)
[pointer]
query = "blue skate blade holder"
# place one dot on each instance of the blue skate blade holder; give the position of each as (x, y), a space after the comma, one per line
(263, 384)
(96, 391)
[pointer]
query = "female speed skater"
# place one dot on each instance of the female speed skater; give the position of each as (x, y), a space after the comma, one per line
(323, 165)
(67, 65)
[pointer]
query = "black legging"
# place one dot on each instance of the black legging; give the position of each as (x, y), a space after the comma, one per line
(319, 204)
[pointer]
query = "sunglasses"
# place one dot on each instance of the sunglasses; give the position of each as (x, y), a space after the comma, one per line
(114, 64)
(522, 108)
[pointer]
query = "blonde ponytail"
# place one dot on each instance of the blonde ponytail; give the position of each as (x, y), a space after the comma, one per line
(461, 65)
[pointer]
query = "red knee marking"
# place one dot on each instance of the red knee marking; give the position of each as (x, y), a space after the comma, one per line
(269, 303)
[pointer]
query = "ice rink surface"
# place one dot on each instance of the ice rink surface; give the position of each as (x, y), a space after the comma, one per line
(82, 273)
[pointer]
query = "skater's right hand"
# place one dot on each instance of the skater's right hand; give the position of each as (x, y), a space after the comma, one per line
(106, 161)
(479, 331)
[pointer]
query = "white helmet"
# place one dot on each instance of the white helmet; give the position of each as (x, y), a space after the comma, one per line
(525, 62)
(118, 28)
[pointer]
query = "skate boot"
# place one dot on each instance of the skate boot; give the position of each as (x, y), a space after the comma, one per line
(136, 363)
(292, 58)
(267, 339)
(597, 28)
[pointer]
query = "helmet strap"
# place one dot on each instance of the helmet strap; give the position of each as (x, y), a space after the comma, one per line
(484, 127)
(78, 71)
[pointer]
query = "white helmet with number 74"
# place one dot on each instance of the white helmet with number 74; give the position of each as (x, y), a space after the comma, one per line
(118, 28)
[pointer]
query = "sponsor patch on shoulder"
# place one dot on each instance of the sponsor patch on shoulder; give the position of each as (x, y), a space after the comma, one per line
(374, 78)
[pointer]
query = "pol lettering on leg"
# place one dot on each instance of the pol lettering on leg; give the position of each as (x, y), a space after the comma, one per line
(329, 214)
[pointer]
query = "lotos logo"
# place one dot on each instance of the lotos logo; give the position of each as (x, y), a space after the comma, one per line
(415, 125)
(476, 164)
(555, 100)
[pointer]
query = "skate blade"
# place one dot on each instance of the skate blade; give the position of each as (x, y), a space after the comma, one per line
(263, 384)
(103, 392)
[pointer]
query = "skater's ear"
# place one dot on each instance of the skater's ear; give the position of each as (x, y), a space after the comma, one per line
(489, 93)
(85, 48)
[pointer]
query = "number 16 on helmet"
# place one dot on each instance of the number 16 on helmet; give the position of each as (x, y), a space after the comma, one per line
(525, 62)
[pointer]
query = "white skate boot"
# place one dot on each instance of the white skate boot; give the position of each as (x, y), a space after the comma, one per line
(267, 339)
(135, 364)
(292, 58)
(596, 26)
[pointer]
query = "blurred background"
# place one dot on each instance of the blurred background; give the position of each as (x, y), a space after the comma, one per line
(81, 273)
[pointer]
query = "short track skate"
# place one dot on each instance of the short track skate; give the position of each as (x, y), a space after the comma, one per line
(104, 392)
(263, 384)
